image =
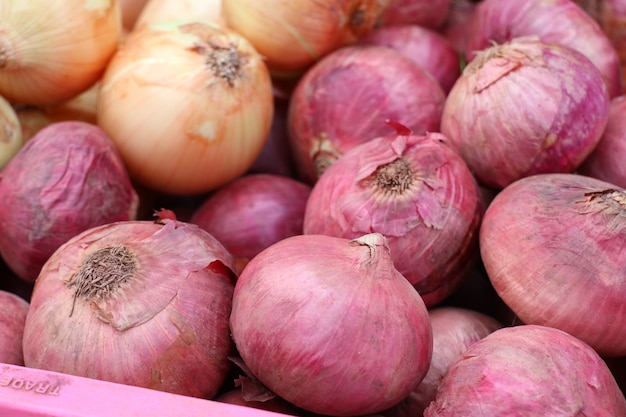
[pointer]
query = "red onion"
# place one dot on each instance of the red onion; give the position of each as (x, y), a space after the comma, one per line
(66, 179)
(552, 243)
(454, 330)
(13, 310)
(253, 212)
(456, 26)
(415, 190)
(329, 325)
(530, 371)
(427, 13)
(554, 21)
(556, 119)
(428, 48)
(139, 303)
(346, 97)
(606, 162)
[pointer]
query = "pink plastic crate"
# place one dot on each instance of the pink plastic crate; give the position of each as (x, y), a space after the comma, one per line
(26, 392)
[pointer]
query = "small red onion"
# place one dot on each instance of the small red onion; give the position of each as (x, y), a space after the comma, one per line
(138, 303)
(13, 310)
(606, 162)
(329, 325)
(415, 190)
(561, 22)
(556, 119)
(346, 97)
(454, 330)
(553, 243)
(253, 212)
(66, 179)
(428, 48)
(531, 371)
(427, 13)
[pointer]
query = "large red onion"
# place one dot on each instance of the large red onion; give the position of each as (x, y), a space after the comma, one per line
(346, 97)
(253, 212)
(13, 310)
(139, 303)
(428, 48)
(525, 107)
(426, 13)
(454, 330)
(561, 22)
(66, 179)
(552, 245)
(606, 162)
(528, 371)
(329, 325)
(419, 193)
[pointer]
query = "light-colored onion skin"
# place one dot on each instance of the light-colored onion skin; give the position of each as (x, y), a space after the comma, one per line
(66, 179)
(330, 325)
(431, 222)
(552, 245)
(426, 13)
(165, 328)
(253, 212)
(428, 48)
(346, 97)
(13, 310)
(528, 370)
(11, 138)
(554, 21)
(606, 162)
(558, 115)
(454, 331)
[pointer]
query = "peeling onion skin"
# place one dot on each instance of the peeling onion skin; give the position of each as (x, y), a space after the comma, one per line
(558, 116)
(13, 310)
(560, 22)
(606, 162)
(346, 97)
(253, 212)
(419, 193)
(163, 325)
(66, 179)
(540, 370)
(329, 324)
(551, 243)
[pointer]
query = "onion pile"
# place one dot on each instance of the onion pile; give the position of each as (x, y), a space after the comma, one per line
(552, 245)
(345, 99)
(541, 370)
(139, 303)
(557, 118)
(66, 179)
(329, 325)
(419, 193)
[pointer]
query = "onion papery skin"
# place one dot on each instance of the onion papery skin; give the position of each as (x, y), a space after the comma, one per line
(561, 22)
(426, 13)
(345, 99)
(552, 243)
(558, 116)
(11, 138)
(68, 178)
(329, 325)
(606, 162)
(532, 371)
(276, 404)
(415, 190)
(53, 50)
(13, 310)
(293, 35)
(428, 48)
(189, 105)
(162, 323)
(454, 331)
(253, 212)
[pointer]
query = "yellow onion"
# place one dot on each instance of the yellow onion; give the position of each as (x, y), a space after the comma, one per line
(160, 10)
(11, 139)
(189, 105)
(52, 50)
(292, 35)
